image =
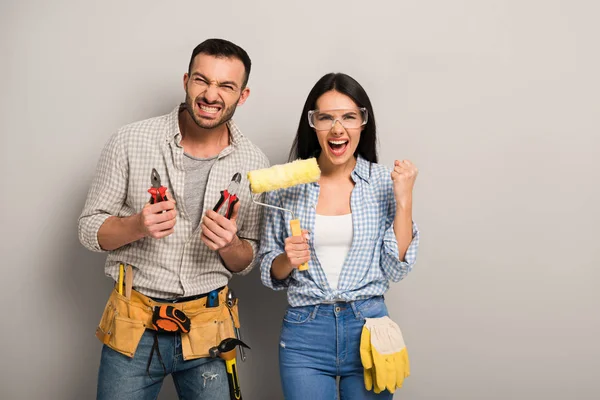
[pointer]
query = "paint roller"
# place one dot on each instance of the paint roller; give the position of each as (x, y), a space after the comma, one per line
(284, 176)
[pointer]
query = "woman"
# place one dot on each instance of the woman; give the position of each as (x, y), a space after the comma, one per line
(359, 236)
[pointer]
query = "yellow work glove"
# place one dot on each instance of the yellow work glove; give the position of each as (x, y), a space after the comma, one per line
(367, 361)
(383, 355)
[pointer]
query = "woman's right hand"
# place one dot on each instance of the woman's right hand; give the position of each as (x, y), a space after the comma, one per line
(296, 249)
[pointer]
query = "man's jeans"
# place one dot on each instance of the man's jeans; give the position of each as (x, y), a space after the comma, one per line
(121, 377)
(319, 343)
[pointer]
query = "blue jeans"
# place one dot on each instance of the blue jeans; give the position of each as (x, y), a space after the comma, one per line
(121, 377)
(322, 342)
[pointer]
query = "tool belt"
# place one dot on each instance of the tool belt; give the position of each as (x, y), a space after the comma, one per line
(125, 319)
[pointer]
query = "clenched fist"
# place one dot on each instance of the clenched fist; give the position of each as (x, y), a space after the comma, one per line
(404, 175)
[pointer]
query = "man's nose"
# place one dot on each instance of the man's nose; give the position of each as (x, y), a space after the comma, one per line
(211, 94)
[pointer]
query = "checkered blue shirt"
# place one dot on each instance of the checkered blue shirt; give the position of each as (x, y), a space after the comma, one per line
(373, 257)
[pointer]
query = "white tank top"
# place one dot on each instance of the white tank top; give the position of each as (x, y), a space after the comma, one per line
(332, 241)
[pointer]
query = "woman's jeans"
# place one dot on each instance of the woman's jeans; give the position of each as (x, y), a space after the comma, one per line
(319, 343)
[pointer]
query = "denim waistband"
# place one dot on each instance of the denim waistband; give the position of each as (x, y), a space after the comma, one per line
(340, 307)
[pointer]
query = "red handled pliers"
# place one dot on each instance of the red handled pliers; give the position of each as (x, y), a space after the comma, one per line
(157, 191)
(229, 194)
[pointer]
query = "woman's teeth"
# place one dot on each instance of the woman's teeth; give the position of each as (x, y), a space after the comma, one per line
(338, 147)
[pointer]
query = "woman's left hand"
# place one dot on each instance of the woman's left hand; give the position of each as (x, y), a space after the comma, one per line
(403, 177)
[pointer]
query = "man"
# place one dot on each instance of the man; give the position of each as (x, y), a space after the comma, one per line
(181, 252)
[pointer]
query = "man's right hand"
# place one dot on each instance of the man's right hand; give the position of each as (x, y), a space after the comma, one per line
(158, 220)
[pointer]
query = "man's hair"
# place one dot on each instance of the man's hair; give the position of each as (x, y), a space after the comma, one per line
(222, 48)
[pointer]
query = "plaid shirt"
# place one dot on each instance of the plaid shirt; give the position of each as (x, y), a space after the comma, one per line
(373, 257)
(179, 264)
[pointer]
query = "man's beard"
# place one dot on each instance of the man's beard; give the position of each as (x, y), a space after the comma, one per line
(226, 113)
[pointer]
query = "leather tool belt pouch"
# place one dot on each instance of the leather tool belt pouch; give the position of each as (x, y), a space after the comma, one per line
(124, 321)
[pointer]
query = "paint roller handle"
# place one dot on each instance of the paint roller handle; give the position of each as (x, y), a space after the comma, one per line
(297, 231)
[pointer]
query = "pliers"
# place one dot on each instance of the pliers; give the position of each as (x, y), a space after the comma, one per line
(157, 191)
(229, 194)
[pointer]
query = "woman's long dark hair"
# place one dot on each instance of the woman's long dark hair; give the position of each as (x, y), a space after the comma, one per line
(306, 144)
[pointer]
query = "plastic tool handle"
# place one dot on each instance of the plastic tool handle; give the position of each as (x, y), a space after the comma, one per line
(157, 195)
(224, 196)
(232, 200)
(297, 231)
(120, 283)
(232, 377)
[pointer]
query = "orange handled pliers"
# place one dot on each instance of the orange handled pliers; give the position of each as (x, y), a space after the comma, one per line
(229, 194)
(157, 191)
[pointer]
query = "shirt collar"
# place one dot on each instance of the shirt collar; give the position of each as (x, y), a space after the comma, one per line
(362, 169)
(174, 134)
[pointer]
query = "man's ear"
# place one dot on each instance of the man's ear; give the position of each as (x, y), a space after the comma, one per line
(186, 78)
(244, 96)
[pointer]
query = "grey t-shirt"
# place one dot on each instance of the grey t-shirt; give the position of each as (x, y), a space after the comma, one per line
(196, 176)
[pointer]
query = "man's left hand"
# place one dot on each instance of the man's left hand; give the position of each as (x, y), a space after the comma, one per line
(219, 232)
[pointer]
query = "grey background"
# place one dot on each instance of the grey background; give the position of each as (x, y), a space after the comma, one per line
(495, 101)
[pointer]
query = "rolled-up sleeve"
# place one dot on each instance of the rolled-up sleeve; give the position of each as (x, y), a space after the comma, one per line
(106, 195)
(255, 246)
(394, 268)
(272, 242)
(251, 229)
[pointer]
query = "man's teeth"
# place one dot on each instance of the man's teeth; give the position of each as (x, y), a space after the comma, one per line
(209, 109)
